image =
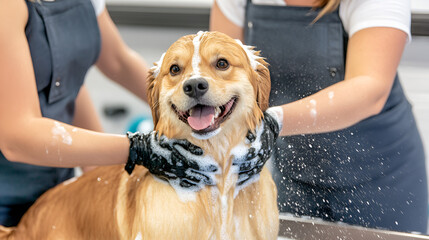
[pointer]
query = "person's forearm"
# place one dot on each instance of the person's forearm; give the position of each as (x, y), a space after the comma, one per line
(86, 117)
(47, 142)
(336, 107)
(118, 62)
(133, 74)
(85, 114)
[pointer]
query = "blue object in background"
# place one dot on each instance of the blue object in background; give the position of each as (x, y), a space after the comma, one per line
(143, 124)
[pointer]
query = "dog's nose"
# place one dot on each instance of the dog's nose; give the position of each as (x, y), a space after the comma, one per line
(195, 87)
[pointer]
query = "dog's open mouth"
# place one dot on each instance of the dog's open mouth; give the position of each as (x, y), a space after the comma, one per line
(203, 119)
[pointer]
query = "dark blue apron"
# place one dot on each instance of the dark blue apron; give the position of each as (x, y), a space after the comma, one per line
(371, 174)
(64, 42)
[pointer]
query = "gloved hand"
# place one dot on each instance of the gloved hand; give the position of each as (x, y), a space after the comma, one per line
(260, 146)
(177, 161)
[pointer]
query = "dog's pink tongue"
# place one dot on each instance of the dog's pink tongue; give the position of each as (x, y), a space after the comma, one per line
(201, 117)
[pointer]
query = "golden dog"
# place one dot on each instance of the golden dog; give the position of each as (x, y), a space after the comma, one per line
(209, 89)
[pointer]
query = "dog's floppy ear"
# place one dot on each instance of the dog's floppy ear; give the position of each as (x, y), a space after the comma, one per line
(260, 79)
(153, 90)
(262, 84)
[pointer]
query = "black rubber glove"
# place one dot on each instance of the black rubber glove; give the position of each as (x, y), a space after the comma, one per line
(177, 161)
(262, 143)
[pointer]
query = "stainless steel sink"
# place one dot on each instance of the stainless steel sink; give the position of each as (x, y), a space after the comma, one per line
(303, 228)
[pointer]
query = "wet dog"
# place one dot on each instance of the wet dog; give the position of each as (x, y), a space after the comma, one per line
(209, 89)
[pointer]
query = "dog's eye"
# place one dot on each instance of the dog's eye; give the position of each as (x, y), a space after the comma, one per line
(174, 70)
(222, 64)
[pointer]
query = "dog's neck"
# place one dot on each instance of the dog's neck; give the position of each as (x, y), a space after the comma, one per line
(218, 147)
(218, 201)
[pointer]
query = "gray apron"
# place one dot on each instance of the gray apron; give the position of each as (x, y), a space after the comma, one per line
(64, 42)
(371, 174)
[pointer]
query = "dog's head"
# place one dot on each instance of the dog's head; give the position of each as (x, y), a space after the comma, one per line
(206, 84)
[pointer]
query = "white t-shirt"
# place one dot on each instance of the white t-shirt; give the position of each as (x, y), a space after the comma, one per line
(355, 14)
(99, 6)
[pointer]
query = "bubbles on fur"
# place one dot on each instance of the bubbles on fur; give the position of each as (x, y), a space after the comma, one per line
(205, 136)
(205, 163)
(240, 153)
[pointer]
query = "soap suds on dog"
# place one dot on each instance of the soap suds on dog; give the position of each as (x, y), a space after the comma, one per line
(157, 68)
(205, 163)
(196, 59)
(206, 136)
(240, 152)
(253, 58)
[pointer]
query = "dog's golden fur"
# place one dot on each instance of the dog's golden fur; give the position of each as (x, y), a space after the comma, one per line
(107, 203)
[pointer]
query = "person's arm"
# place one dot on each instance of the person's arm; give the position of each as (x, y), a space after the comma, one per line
(373, 56)
(119, 62)
(85, 116)
(219, 22)
(26, 136)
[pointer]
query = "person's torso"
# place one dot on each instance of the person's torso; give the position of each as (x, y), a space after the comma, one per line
(64, 41)
(305, 58)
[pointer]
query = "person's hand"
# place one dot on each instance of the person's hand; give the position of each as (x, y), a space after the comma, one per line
(177, 161)
(260, 145)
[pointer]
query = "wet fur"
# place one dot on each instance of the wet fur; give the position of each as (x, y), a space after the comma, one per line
(108, 204)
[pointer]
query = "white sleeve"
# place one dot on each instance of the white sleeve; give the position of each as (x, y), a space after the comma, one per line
(99, 6)
(233, 10)
(359, 14)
